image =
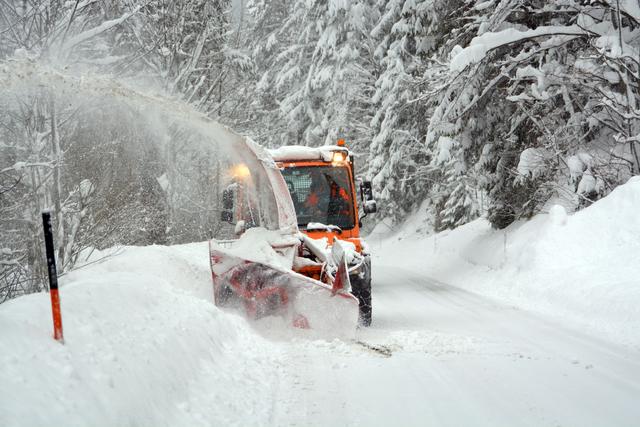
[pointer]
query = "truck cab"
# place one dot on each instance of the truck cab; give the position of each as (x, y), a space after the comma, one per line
(322, 185)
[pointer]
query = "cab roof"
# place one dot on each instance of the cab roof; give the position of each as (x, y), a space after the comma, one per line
(301, 152)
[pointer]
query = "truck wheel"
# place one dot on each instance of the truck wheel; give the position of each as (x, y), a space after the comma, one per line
(364, 298)
(361, 289)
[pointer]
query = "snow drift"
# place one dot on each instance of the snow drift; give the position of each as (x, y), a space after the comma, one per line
(144, 346)
(581, 269)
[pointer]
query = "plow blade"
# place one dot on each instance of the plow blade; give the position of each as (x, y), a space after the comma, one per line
(261, 291)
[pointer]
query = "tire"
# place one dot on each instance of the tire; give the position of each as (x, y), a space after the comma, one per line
(361, 289)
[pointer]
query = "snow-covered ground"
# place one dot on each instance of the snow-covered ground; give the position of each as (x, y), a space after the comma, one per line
(467, 330)
(144, 345)
(581, 270)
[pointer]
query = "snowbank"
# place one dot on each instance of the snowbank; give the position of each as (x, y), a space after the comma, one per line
(257, 243)
(581, 269)
(144, 346)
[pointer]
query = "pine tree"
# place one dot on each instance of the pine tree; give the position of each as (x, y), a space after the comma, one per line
(408, 46)
(314, 78)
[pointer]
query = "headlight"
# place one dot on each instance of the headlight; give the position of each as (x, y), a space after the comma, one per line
(338, 157)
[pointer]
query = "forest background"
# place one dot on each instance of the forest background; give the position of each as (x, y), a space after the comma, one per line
(460, 108)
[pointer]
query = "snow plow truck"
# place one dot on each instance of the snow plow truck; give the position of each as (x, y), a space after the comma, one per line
(298, 253)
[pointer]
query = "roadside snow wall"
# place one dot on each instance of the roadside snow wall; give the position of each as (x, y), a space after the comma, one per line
(582, 269)
(144, 346)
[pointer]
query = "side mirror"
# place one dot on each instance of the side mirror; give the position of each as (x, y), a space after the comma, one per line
(226, 215)
(366, 191)
(370, 206)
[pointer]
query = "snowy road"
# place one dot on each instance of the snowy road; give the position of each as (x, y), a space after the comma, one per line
(444, 356)
(146, 346)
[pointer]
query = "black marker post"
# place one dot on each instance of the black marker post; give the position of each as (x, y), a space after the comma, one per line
(53, 277)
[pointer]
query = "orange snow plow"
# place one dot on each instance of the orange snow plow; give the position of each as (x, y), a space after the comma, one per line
(299, 255)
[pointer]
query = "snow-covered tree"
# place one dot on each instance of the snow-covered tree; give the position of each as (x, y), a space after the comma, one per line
(496, 107)
(96, 161)
(311, 68)
(409, 39)
(530, 80)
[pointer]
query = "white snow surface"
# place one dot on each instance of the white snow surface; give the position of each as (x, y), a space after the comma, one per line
(257, 243)
(300, 152)
(144, 345)
(581, 270)
(533, 162)
(467, 330)
(482, 44)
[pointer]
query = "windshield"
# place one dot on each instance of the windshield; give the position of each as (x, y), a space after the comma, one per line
(321, 194)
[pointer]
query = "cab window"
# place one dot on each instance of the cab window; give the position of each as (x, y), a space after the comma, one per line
(321, 194)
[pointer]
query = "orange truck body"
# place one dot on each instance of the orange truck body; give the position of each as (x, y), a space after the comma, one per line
(345, 229)
(351, 235)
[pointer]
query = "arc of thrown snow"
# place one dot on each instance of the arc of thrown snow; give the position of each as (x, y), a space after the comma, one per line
(26, 73)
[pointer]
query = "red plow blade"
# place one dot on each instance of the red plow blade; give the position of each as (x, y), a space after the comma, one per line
(260, 291)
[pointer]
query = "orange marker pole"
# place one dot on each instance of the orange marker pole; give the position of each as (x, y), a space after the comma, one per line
(53, 277)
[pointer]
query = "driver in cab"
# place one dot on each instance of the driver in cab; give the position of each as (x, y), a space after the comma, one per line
(326, 198)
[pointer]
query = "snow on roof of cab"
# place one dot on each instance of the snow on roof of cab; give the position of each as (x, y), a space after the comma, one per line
(301, 152)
